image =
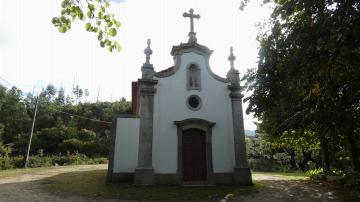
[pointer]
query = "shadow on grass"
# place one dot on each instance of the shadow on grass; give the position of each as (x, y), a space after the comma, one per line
(93, 184)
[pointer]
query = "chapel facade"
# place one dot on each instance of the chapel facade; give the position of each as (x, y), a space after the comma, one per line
(187, 123)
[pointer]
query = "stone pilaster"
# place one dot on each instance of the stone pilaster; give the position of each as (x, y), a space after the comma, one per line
(242, 173)
(144, 173)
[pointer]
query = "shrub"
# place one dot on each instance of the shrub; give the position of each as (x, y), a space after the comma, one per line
(262, 164)
(5, 161)
(86, 135)
(351, 180)
(90, 148)
(316, 174)
(40, 161)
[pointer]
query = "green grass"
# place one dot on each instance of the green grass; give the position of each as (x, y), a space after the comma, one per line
(297, 175)
(93, 184)
(22, 171)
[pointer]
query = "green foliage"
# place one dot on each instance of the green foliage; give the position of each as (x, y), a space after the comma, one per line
(97, 17)
(308, 76)
(351, 180)
(56, 131)
(41, 160)
(86, 135)
(5, 161)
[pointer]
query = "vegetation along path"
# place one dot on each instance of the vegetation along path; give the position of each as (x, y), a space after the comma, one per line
(85, 183)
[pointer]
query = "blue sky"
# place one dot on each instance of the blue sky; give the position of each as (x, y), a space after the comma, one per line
(33, 53)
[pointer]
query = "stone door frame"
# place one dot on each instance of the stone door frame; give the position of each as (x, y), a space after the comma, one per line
(205, 126)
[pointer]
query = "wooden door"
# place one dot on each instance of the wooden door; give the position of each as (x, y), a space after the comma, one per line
(193, 155)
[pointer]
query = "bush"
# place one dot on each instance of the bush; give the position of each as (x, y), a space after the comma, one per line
(86, 135)
(351, 180)
(39, 160)
(316, 174)
(262, 164)
(5, 161)
(90, 148)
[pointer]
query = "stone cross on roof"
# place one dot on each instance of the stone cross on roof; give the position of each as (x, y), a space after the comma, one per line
(191, 15)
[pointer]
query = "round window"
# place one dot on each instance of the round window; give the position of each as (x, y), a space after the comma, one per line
(194, 102)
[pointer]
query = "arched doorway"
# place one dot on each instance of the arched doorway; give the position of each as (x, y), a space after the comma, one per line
(194, 151)
(194, 155)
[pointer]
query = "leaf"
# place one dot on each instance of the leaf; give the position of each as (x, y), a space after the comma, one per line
(90, 14)
(102, 44)
(117, 23)
(64, 4)
(55, 21)
(100, 35)
(88, 26)
(63, 28)
(112, 32)
(118, 47)
(101, 15)
(109, 24)
(63, 19)
(91, 7)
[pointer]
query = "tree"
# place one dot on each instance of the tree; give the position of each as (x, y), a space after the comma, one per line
(97, 17)
(78, 92)
(308, 75)
(60, 100)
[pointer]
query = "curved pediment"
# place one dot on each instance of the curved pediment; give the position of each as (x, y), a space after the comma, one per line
(195, 121)
(191, 47)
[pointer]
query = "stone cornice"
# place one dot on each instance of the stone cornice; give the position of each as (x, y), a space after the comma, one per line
(148, 81)
(194, 121)
(192, 45)
(147, 86)
(235, 92)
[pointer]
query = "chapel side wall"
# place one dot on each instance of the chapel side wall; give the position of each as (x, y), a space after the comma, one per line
(171, 97)
(126, 145)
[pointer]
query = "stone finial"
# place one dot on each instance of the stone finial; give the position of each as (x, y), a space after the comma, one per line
(231, 58)
(147, 68)
(148, 51)
(233, 74)
(191, 15)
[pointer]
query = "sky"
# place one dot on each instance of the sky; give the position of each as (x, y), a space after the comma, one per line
(33, 53)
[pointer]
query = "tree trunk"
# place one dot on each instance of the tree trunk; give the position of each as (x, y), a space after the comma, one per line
(292, 159)
(306, 158)
(324, 145)
(353, 150)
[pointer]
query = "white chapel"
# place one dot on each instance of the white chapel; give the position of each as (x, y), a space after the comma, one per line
(187, 123)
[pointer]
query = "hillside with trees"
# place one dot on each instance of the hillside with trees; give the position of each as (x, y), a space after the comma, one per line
(66, 125)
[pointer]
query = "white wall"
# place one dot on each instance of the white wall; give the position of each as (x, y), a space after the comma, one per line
(126, 145)
(170, 105)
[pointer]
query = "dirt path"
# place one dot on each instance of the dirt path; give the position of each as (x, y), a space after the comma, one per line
(280, 189)
(27, 187)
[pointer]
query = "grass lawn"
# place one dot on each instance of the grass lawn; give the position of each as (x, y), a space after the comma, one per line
(22, 171)
(93, 184)
(298, 175)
